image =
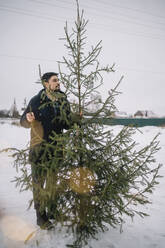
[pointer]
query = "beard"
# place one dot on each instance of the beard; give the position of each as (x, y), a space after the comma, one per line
(56, 90)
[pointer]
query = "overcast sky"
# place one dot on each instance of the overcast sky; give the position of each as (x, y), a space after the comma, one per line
(132, 34)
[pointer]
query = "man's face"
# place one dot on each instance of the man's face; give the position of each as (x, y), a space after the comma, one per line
(53, 83)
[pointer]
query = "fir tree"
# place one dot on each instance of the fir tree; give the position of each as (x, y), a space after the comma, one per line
(93, 177)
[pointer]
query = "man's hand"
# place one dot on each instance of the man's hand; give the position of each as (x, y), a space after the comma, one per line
(30, 116)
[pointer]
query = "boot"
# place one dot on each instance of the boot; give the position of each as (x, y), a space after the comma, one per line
(51, 211)
(43, 220)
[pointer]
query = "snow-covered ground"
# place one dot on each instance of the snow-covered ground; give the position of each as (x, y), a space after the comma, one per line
(16, 223)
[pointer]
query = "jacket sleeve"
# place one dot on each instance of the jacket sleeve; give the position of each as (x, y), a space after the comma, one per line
(23, 121)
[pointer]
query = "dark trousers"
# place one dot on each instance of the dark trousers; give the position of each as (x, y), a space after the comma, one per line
(43, 180)
(38, 183)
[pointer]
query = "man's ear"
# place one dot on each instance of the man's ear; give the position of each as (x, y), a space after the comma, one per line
(46, 84)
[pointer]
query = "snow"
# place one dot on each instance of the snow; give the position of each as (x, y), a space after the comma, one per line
(17, 223)
(122, 114)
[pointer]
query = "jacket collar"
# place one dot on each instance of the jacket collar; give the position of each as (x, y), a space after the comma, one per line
(42, 95)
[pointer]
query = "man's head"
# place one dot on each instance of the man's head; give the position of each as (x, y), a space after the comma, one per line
(50, 81)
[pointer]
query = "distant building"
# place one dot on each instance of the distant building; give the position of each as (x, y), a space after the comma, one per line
(139, 113)
(145, 114)
(13, 112)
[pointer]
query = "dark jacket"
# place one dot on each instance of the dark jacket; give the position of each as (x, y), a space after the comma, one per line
(49, 116)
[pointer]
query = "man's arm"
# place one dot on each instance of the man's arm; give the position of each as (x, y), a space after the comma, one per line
(23, 120)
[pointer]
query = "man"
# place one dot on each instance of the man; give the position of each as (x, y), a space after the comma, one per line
(43, 115)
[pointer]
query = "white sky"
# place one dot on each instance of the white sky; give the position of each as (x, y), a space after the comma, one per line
(132, 34)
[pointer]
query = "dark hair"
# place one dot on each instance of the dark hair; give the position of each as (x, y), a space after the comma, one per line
(46, 76)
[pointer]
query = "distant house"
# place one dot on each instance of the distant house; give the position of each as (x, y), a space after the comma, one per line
(139, 113)
(145, 114)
